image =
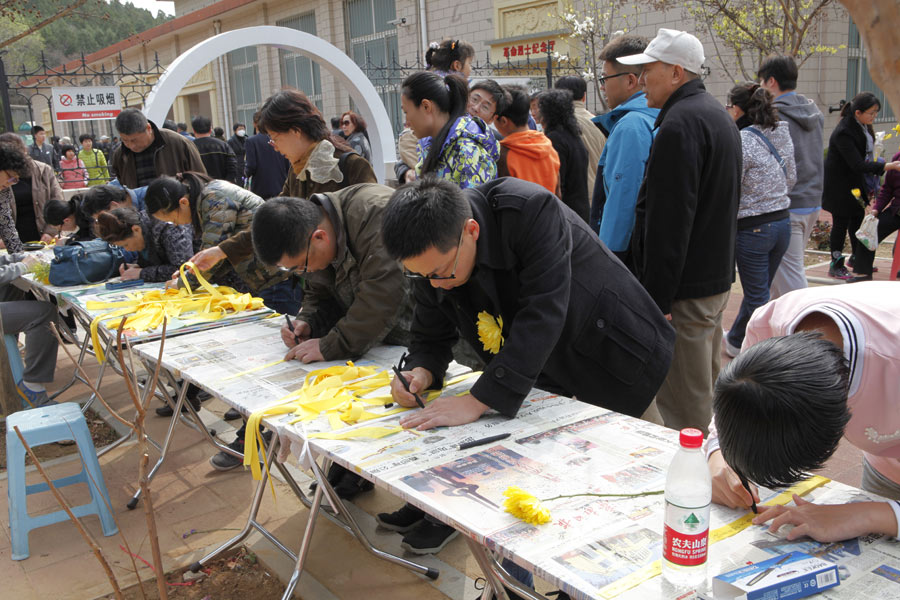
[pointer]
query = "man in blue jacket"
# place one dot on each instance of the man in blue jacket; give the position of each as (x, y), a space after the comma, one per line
(629, 130)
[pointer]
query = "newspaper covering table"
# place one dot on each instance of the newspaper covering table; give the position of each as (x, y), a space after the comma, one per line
(594, 547)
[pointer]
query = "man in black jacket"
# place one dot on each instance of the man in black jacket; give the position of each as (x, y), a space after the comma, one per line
(573, 320)
(686, 220)
(236, 143)
(216, 154)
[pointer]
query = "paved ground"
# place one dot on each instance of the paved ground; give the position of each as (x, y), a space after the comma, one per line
(190, 495)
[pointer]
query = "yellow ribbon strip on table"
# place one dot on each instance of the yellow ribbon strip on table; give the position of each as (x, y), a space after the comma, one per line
(145, 310)
(341, 393)
(716, 535)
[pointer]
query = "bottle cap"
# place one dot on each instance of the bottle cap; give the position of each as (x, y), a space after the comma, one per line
(691, 438)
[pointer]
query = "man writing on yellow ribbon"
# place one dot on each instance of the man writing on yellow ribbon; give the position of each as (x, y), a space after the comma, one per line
(355, 295)
(519, 276)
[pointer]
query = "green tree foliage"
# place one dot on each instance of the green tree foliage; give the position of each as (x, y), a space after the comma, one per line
(95, 25)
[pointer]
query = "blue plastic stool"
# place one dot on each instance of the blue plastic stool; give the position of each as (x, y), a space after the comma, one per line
(45, 425)
(15, 359)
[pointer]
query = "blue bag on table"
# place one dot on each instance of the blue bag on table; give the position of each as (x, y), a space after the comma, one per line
(84, 262)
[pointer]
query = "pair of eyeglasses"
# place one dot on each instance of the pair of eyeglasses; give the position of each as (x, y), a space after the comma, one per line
(452, 274)
(481, 105)
(12, 180)
(602, 80)
(345, 123)
(294, 269)
(729, 106)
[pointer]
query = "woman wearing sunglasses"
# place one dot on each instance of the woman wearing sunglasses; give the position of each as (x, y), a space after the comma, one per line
(353, 127)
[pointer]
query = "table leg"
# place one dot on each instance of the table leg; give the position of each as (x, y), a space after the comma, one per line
(497, 577)
(344, 515)
(251, 523)
(165, 447)
(76, 376)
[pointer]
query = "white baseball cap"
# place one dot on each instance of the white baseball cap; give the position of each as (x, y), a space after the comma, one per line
(673, 47)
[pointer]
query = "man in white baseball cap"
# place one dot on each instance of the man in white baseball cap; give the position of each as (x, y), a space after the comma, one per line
(686, 219)
(667, 57)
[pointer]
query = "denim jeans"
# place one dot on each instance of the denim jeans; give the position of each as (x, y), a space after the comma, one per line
(758, 252)
(284, 297)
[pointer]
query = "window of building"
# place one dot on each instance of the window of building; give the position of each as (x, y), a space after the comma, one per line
(246, 98)
(298, 71)
(858, 78)
(373, 46)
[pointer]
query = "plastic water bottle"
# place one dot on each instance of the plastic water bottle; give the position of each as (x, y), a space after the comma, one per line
(686, 528)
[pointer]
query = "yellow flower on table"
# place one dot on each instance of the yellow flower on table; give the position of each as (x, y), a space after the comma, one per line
(490, 332)
(523, 505)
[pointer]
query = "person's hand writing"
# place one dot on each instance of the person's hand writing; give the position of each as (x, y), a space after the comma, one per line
(445, 411)
(128, 271)
(207, 259)
(306, 352)
(726, 485)
(301, 330)
(830, 522)
(419, 380)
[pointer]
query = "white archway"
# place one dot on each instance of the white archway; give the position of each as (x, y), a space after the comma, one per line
(381, 134)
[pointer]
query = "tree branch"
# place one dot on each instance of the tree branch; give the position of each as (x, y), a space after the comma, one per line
(42, 24)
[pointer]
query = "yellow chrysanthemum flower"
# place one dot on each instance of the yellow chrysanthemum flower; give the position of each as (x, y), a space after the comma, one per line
(523, 505)
(490, 332)
(856, 193)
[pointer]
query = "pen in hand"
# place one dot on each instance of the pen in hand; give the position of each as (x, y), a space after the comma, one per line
(290, 325)
(406, 386)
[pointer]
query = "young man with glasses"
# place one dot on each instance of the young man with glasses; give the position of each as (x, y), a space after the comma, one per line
(629, 129)
(573, 320)
(355, 295)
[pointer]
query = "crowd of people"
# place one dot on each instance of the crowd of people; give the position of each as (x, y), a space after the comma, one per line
(602, 247)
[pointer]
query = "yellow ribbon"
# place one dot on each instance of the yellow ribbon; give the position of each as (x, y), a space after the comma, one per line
(340, 392)
(145, 311)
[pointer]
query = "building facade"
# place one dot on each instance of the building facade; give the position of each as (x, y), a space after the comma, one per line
(387, 38)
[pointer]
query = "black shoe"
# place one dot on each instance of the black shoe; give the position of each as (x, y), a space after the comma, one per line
(167, 411)
(223, 461)
(401, 520)
(859, 278)
(231, 414)
(428, 537)
(195, 393)
(346, 484)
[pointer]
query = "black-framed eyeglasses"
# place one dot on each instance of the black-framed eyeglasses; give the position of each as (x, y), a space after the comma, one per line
(452, 274)
(345, 123)
(294, 269)
(602, 80)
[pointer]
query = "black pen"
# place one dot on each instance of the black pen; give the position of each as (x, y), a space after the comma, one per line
(406, 386)
(483, 441)
(767, 571)
(291, 327)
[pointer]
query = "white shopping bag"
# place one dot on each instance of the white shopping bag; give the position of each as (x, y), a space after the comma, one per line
(868, 232)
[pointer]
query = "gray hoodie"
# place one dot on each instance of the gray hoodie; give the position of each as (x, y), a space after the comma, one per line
(807, 125)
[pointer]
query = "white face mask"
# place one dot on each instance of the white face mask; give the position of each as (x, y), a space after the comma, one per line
(241, 132)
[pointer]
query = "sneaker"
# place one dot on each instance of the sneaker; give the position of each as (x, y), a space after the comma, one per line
(730, 349)
(428, 537)
(31, 398)
(231, 414)
(838, 270)
(222, 461)
(401, 520)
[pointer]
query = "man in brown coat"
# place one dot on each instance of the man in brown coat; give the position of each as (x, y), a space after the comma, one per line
(148, 152)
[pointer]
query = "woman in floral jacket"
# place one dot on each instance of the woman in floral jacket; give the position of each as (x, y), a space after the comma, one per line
(452, 144)
(217, 210)
(161, 247)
